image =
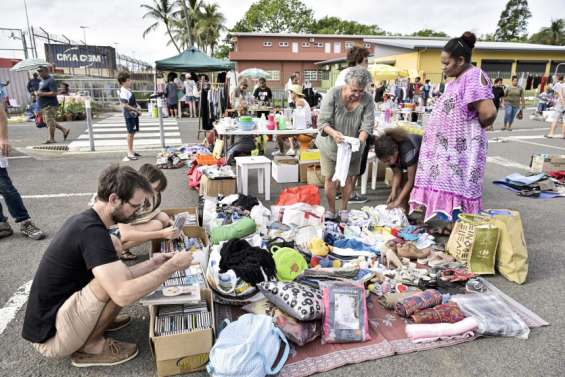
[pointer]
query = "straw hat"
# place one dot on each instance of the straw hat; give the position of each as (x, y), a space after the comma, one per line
(297, 89)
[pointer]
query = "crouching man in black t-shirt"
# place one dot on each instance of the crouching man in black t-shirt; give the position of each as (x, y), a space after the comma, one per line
(81, 285)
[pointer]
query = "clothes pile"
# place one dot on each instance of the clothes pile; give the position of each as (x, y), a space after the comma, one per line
(539, 186)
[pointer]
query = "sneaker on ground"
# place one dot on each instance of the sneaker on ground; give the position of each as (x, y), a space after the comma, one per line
(114, 353)
(329, 215)
(5, 229)
(136, 154)
(291, 152)
(358, 199)
(28, 229)
(277, 153)
(131, 157)
(119, 323)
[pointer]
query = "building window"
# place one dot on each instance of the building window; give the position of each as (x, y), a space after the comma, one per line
(283, 44)
(348, 44)
(274, 75)
(305, 44)
(337, 47)
(328, 48)
(319, 44)
(267, 44)
(324, 75)
(311, 75)
(295, 47)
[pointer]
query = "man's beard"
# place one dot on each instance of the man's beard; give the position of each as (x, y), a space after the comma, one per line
(119, 217)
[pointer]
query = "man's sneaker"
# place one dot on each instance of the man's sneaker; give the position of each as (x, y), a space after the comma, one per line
(5, 229)
(131, 157)
(291, 152)
(136, 154)
(358, 199)
(28, 229)
(119, 323)
(114, 353)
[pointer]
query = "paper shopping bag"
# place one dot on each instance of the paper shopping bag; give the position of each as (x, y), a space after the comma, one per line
(512, 253)
(474, 241)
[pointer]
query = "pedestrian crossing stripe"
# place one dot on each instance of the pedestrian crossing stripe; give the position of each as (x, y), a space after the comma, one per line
(111, 134)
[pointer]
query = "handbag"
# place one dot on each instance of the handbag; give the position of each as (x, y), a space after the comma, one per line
(289, 263)
(474, 241)
(248, 347)
(520, 114)
(39, 123)
(512, 253)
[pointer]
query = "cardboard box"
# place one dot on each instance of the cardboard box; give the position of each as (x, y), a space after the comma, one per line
(543, 163)
(303, 169)
(213, 187)
(173, 211)
(285, 173)
(189, 231)
(182, 353)
(309, 154)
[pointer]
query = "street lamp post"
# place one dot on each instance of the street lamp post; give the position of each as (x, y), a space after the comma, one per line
(84, 33)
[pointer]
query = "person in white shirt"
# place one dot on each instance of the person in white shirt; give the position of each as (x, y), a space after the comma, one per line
(294, 79)
(300, 104)
(189, 99)
(559, 90)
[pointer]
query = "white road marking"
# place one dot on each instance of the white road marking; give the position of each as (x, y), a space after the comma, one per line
(539, 144)
(10, 309)
(63, 195)
(124, 135)
(18, 157)
(498, 160)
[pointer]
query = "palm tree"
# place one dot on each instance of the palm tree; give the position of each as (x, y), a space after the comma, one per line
(160, 11)
(552, 35)
(187, 17)
(210, 25)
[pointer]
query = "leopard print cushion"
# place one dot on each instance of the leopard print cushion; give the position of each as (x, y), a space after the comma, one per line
(298, 300)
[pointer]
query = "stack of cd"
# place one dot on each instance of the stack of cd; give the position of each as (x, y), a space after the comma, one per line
(181, 319)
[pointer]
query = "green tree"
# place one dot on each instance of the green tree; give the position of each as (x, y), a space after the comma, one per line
(276, 16)
(160, 11)
(513, 22)
(210, 25)
(552, 35)
(185, 19)
(335, 25)
(429, 33)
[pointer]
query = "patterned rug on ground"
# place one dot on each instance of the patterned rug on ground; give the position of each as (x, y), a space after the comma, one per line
(387, 339)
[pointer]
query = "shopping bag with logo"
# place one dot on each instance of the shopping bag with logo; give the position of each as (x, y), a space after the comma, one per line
(299, 214)
(512, 253)
(474, 241)
(309, 194)
(248, 347)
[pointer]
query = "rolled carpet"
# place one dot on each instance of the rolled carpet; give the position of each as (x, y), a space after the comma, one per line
(423, 300)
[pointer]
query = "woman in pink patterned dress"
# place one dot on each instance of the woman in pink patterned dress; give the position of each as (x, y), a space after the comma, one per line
(449, 178)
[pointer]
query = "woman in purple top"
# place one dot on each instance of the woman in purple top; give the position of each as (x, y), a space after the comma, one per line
(449, 178)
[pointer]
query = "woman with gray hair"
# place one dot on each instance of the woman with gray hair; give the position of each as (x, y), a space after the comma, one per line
(346, 111)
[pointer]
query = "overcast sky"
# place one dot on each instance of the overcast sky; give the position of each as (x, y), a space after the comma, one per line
(120, 21)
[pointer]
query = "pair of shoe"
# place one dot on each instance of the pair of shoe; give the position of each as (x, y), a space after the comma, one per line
(27, 228)
(358, 199)
(113, 353)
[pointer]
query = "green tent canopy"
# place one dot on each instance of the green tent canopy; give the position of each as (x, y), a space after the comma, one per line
(194, 60)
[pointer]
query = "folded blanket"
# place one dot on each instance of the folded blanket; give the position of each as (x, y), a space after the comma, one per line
(409, 305)
(441, 330)
(445, 313)
(389, 300)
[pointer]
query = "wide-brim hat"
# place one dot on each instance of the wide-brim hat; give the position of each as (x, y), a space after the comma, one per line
(297, 89)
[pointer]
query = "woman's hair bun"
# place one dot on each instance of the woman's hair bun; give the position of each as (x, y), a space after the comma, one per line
(469, 39)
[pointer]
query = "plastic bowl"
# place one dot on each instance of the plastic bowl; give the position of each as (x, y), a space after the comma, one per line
(246, 126)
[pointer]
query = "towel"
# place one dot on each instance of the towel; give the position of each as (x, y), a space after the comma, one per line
(441, 330)
(344, 150)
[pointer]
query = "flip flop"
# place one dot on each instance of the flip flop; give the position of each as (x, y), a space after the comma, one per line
(66, 134)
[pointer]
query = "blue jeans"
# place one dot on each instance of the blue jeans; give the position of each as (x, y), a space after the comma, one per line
(13, 199)
(509, 114)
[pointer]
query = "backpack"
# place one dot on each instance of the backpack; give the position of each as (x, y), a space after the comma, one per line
(248, 347)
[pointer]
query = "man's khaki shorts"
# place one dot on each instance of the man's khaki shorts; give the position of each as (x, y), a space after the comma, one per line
(49, 115)
(76, 319)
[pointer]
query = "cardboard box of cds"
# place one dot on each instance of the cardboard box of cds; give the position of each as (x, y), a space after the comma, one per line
(182, 352)
(191, 210)
(189, 231)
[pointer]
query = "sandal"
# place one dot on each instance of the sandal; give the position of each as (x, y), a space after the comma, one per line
(127, 255)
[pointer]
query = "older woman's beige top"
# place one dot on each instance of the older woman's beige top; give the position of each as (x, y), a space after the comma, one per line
(349, 123)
